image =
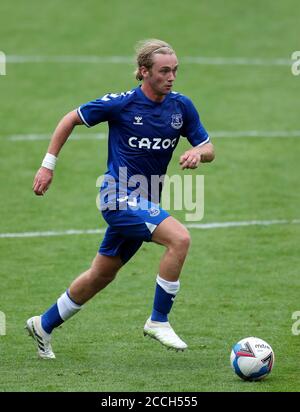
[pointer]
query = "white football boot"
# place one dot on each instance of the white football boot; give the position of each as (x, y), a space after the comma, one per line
(164, 333)
(35, 330)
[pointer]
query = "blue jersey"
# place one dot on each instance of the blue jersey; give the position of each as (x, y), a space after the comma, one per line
(142, 133)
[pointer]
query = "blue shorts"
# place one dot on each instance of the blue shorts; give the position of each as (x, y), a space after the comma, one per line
(129, 228)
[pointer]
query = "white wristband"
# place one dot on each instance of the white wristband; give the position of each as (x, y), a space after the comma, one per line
(49, 161)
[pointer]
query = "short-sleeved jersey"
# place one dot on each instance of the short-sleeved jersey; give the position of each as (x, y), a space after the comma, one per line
(142, 133)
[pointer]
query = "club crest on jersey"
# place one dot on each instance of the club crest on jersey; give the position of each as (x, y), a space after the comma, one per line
(176, 121)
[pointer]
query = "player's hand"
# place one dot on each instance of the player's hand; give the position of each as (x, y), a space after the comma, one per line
(190, 159)
(42, 181)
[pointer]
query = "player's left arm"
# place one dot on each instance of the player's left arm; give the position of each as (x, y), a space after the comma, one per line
(202, 150)
(192, 158)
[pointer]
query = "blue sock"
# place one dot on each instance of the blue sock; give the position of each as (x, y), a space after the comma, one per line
(163, 302)
(51, 318)
(62, 310)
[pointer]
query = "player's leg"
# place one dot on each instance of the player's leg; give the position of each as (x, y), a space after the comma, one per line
(114, 252)
(102, 271)
(175, 237)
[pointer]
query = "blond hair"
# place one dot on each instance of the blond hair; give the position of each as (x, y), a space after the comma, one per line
(145, 50)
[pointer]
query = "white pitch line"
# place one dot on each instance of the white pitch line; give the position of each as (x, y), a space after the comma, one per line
(213, 225)
(256, 133)
(236, 61)
(218, 225)
(211, 61)
(214, 134)
(74, 136)
(52, 233)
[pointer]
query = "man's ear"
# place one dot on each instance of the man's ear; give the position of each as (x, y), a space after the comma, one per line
(144, 72)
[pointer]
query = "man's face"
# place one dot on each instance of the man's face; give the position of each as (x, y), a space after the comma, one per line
(162, 74)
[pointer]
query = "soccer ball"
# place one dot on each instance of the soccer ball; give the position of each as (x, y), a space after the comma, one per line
(252, 359)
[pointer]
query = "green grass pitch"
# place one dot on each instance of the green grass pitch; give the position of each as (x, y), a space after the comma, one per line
(237, 282)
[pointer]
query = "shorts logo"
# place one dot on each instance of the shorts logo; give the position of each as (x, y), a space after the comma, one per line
(176, 121)
(154, 212)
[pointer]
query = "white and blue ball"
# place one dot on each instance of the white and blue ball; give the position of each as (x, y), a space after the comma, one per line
(252, 359)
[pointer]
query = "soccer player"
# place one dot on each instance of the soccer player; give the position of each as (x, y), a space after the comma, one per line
(145, 125)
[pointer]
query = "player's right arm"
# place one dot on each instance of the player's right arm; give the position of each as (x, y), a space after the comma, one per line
(44, 175)
(90, 114)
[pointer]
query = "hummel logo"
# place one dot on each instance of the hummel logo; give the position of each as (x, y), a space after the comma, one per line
(138, 120)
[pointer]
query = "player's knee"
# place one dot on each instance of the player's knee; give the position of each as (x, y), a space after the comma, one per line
(182, 241)
(105, 268)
